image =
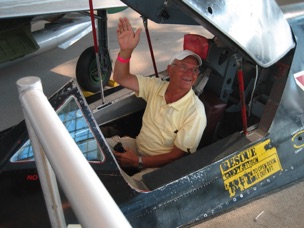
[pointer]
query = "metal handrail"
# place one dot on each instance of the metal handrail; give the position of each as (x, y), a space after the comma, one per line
(91, 202)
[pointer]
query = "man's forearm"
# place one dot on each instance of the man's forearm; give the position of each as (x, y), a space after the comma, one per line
(122, 67)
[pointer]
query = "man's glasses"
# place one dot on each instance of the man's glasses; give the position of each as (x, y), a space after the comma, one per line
(183, 68)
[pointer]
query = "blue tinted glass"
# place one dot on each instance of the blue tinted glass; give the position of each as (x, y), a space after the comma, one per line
(73, 119)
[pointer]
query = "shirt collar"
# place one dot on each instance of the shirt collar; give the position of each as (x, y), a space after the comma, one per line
(178, 105)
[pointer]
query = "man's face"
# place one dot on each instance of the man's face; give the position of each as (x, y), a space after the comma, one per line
(183, 73)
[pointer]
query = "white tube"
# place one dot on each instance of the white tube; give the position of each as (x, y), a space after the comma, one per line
(47, 180)
(91, 202)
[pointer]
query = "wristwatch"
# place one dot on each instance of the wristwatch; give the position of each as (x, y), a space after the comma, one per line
(140, 163)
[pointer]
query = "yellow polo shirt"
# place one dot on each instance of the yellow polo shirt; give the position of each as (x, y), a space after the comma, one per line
(181, 123)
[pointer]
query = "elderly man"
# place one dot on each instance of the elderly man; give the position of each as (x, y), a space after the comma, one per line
(174, 119)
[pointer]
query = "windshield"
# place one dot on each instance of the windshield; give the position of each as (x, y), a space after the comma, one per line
(73, 119)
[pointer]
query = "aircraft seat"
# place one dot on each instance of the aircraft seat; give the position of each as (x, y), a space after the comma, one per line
(215, 109)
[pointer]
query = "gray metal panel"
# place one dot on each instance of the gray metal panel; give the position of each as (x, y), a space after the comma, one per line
(19, 8)
(258, 27)
(293, 11)
(290, 113)
(117, 107)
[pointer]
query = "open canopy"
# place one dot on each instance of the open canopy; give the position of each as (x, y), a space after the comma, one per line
(256, 28)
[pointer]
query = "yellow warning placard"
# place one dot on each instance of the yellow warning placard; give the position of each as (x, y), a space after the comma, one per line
(249, 167)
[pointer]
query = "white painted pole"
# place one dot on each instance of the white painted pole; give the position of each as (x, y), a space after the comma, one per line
(91, 202)
(46, 174)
